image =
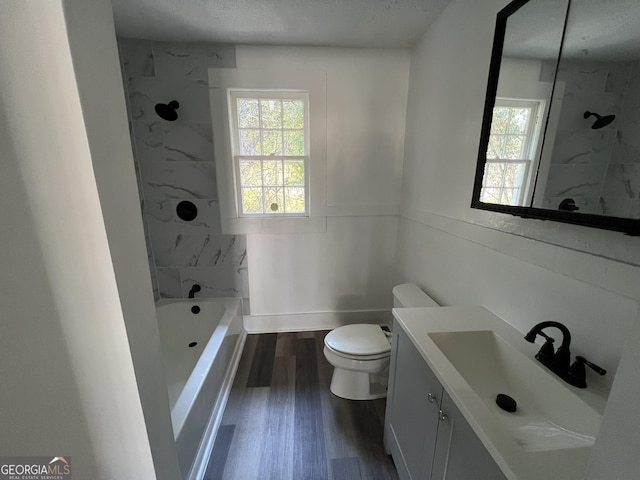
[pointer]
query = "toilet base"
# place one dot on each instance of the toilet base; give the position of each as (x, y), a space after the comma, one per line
(354, 385)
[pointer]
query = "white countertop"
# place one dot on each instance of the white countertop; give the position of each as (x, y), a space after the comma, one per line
(515, 462)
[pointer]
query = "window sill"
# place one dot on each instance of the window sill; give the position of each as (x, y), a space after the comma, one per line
(274, 225)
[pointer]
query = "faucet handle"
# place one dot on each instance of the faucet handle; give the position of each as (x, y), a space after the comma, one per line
(599, 370)
(577, 374)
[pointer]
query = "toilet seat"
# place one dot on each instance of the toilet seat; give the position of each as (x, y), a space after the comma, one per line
(362, 358)
(363, 341)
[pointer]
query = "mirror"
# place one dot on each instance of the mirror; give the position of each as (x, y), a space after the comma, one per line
(561, 127)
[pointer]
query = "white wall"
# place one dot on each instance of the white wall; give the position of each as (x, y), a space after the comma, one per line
(91, 36)
(615, 455)
(348, 267)
(366, 105)
(525, 270)
(68, 384)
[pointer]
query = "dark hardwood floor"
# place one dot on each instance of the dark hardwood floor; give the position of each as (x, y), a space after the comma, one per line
(282, 422)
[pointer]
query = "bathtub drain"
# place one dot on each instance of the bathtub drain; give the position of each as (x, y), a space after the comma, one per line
(193, 344)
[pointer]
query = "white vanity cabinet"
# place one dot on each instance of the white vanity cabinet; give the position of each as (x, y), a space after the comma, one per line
(425, 432)
(413, 403)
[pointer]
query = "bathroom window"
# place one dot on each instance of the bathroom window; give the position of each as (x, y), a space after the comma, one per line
(270, 144)
(513, 142)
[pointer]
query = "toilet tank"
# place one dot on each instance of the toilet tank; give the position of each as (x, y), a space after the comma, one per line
(408, 295)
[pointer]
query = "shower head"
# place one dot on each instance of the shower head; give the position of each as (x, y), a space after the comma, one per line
(168, 111)
(600, 120)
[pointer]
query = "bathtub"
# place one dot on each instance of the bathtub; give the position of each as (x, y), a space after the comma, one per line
(200, 354)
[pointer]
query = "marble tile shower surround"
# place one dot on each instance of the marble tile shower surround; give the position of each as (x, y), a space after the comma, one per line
(599, 169)
(175, 162)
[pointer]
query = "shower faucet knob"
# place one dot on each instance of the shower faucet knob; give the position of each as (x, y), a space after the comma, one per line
(569, 205)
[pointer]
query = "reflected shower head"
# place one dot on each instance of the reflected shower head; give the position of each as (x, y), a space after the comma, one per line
(168, 112)
(600, 120)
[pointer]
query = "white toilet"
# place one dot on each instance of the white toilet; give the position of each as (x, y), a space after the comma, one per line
(360, 353)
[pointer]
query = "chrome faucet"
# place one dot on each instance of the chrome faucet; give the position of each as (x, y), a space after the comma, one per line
(559, 361)
(195, 288)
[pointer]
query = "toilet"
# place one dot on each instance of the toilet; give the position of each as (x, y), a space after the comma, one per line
(360, 353)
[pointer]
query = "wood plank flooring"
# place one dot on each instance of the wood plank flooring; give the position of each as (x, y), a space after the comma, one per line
(282, 422)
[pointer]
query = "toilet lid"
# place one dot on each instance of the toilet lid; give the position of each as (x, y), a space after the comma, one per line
(358, 340)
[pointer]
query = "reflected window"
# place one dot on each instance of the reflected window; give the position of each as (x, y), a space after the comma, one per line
(515, 130)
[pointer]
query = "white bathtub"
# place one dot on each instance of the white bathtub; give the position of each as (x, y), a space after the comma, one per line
(198, 376)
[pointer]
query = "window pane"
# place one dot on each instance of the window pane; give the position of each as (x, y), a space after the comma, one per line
(293, 114)
(294, 142)
(250, 173)
(513, 147)
(500, 120)
(248, 113)
(272, 142)
(271, 113)
(490, 195)
(294, 172)
(519, 120)
(273, 200)
(267, 129)
(496, 146)
(272, 172)
(514, 175)
(509, 196)
(250, 142)
(294, 199)
(493, 174)
(252, 200)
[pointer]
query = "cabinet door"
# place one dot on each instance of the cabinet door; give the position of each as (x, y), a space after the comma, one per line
(459, 453)
(415, 398)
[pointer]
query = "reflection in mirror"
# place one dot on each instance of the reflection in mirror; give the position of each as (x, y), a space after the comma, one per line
(561, 128)
(533, 37)
(594, 159)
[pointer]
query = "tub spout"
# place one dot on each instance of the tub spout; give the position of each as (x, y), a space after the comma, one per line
(195, 288)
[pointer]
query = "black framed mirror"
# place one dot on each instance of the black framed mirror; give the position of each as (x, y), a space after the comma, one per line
(560, 137)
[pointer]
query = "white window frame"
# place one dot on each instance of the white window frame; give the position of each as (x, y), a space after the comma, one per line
(531, 149)
(278, 80)
(234, 95)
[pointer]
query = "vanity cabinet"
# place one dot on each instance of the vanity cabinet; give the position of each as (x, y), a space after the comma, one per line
(425, 432)
(459, 453)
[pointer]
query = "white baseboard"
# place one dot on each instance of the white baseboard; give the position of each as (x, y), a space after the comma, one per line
(299, 322)
(199, 466)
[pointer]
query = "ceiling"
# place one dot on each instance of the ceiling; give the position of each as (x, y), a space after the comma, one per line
(597, 30)
(336, 23)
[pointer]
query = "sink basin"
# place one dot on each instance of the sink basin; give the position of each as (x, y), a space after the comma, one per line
(549, 415)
